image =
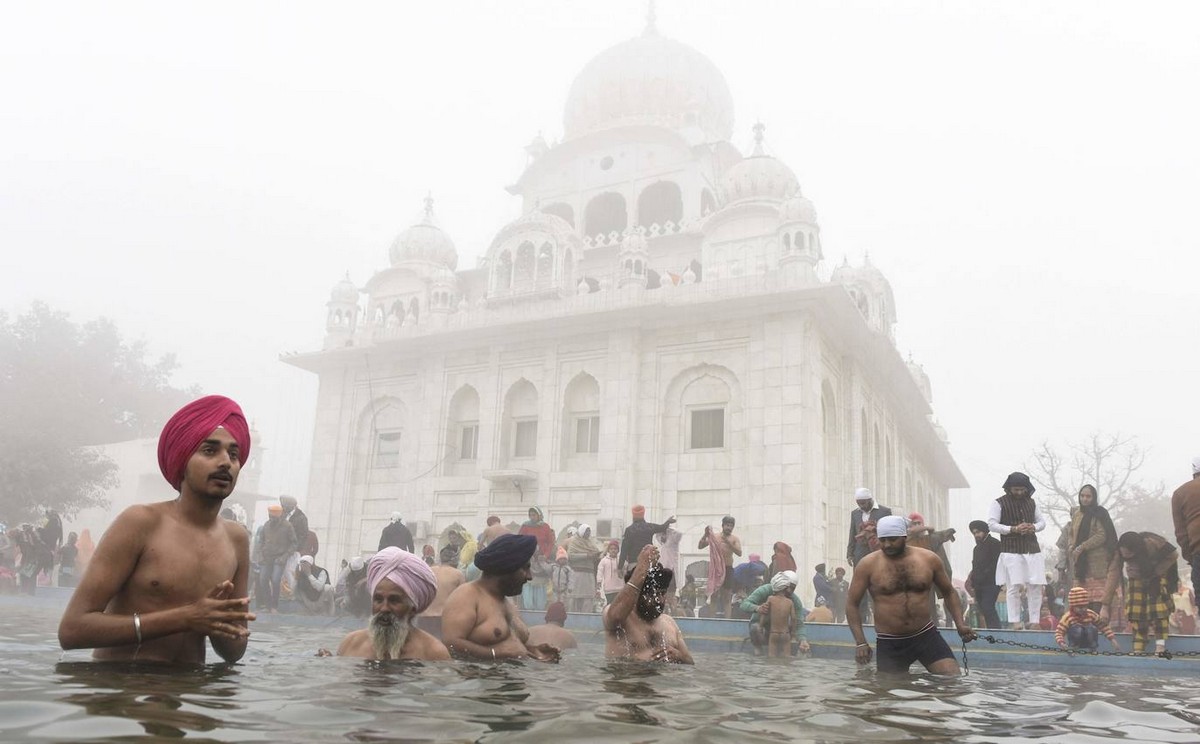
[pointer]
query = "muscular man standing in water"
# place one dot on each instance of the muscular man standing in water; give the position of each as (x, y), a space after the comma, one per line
(478, 621)
(900, 580)
(635, 625)
(169, 576)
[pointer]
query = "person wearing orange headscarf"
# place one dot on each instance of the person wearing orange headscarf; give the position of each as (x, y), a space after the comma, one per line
(169, 578)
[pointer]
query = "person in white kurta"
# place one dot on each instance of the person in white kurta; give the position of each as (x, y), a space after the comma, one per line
(1017, 519)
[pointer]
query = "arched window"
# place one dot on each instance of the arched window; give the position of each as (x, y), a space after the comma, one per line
(385, 437)
(519, 435)
(462, 432)
(637, 267)
(866, 452)
(379, 315)
(879, 474)
(708, 204)
(524, 267)
(504, 269)
(414, 309)
(832, 439)
(800, 242)
(559, 209)
(660, 203)
(705, 403)
(605, 214)
(787, 242)
(581, 423)
(545, 264)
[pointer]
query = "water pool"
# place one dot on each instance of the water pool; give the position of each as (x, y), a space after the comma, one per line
(281, 692)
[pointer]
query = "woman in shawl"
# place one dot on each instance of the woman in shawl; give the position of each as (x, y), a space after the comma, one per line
(781, 560)
(1088, 545)
(1151, 566)
(536, 526)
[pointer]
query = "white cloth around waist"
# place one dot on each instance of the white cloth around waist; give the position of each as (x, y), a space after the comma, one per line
(1021, 568)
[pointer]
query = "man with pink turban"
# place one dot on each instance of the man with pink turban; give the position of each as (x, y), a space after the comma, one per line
(401, 587)
(169, 577)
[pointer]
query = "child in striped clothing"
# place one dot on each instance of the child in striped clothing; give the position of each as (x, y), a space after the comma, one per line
(1081, 626)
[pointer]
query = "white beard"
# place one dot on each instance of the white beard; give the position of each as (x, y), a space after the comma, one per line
(388, 638)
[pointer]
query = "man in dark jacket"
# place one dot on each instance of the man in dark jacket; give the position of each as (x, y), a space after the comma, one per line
(299, 522)
(858, 547)
(983, 573)
(638, 535)
(396, 535)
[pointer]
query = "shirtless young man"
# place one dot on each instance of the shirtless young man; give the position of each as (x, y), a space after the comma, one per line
(553, 632)
(401, 587)
(781, 614)
(728, 545)
(900, 580)
(634, 623)
(478, 621)
(168, 577)
(448, 578)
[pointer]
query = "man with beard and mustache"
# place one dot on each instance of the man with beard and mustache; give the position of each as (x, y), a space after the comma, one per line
(478, 620)
(1017, 518)
(170, 577)
(983, 573)
(401, 587)
(900, 580)
(635, 625)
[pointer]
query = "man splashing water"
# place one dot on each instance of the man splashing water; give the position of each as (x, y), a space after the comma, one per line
(635, 625)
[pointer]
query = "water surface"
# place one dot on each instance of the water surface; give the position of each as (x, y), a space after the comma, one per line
(281, 692)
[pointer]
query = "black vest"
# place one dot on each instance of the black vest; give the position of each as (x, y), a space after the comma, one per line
(1014, 511)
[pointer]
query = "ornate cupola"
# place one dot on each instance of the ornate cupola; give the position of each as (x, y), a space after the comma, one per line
(341, 318)
(633, 259)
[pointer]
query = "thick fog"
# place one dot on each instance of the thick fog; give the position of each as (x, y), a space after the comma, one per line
(1025, 174)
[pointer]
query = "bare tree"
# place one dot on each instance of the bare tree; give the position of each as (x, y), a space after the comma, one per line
(1110, 462)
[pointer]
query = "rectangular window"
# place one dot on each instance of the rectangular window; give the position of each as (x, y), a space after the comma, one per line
(708, 428)
(469, 447)
(587, 435)
(387, 449)
(525, 438)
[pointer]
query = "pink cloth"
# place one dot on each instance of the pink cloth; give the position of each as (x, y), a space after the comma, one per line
(406, 571)
(191, 425)
(716, 569)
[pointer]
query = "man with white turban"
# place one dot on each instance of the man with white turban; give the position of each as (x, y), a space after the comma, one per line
(900, 580)
(401, 587)
(782, 584)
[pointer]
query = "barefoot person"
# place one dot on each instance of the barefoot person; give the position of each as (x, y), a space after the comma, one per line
(900, 580)
(401, 587)
(635, 625)
(478, 621)
(169, 576)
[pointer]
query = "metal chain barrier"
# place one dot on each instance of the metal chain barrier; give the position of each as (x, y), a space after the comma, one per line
(1081, 651)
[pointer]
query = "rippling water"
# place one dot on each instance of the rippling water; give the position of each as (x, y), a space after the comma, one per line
(280, 692)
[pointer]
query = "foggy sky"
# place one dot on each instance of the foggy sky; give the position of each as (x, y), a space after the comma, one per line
(1025, 174)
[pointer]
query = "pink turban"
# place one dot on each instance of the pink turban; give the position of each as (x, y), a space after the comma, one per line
(191, 425)
(406, 571)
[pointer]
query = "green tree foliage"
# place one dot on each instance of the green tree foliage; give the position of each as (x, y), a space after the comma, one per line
(63, 388)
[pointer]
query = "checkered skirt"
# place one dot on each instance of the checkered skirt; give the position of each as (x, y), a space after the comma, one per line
(1148, 599)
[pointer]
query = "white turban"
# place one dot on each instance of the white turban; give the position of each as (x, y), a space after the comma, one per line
(306, 559)
(584, 530)
(892, 527)
(395, 516)
(357, 563)
(1196, 464)
(862, 494)
(783, 580)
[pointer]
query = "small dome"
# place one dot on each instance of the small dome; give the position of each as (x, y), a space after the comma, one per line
(444, 276)
(650, 80)
(344, 291)
(425, 241)
(798, 209)
(759, 176)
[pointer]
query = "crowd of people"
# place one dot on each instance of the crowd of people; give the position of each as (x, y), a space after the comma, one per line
(39, 556)
(147, 595)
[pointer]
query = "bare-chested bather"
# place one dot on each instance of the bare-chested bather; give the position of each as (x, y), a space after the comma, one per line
(900, 579)
(401, 587)
(635, 625)
(478, 620)
(170, 576)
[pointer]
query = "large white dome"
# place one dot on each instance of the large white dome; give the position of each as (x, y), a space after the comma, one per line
(424, 241)
(650, 80)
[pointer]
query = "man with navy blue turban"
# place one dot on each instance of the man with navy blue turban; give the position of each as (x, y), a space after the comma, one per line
(479, 621)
